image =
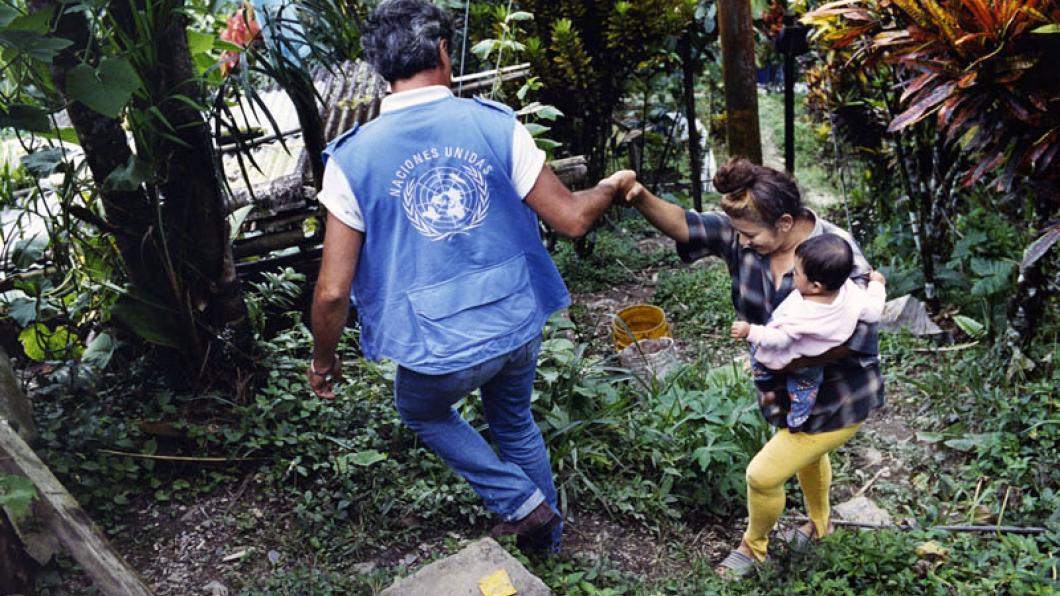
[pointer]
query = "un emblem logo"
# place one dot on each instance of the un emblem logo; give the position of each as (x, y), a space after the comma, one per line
(446, 201)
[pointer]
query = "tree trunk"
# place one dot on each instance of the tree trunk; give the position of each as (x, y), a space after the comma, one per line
(129, 214)
(303, 96)
(196, 227)
(738, 70)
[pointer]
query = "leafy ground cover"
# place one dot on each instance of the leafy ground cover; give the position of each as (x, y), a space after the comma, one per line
(314, 497)
(338, 497)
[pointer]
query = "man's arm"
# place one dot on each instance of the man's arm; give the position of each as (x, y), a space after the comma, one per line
(572, 213)
(331, 302)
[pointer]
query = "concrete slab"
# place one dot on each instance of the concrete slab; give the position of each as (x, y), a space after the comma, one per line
(864, 510)
(459, 574)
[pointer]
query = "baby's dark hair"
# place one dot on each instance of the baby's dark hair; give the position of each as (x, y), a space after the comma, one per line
(826, 259)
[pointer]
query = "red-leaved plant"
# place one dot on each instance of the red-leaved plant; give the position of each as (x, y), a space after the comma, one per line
(986, 69)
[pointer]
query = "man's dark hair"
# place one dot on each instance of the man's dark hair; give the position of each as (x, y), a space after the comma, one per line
(826, 259)
(401, 37)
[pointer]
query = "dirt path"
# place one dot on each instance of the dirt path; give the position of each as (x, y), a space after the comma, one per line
(773, 156)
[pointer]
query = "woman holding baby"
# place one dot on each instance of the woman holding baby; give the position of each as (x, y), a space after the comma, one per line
(791, 319)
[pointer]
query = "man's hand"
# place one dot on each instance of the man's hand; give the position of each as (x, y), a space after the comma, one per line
(740, 329)
(623, 181)
(877, 276)
(321, 378)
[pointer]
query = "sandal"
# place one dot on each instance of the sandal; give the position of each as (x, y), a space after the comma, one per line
(800, 541)
(796, 539)
(737, 565)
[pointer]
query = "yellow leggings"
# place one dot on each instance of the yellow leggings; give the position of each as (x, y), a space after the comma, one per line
(785, 455)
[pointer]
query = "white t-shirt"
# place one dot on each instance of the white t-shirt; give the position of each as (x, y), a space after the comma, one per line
(338, 198)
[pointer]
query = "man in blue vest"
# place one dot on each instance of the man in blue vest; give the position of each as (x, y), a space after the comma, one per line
(432, 215)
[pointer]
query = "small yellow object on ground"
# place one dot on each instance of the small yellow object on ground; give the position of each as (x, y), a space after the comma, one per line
(497, 584)
(931, 550)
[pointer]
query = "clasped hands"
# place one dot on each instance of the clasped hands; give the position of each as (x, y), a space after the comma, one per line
(628, 191)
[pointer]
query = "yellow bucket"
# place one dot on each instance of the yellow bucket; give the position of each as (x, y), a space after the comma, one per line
(644, 320)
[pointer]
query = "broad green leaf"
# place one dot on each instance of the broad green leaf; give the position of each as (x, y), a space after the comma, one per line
(106, 89)
(368, 457)
(154, 323)
(929, 437)
(33, 44)
(16, 494)
(546, 143)
(25, 117)
(199, 42)
(36, 22)
(100, 350)
(7, 14)
(43, 162)
(536, 129)
(973, 328)
(23, 309)
(129, 176)
(236, 219)
(546, 112)
(67, 135)
(971, 441)
(484, 48)
(1046, 29)
(30, 250)
(41, 343)
(995, 276)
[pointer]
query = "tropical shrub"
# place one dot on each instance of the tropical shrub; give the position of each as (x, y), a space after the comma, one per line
(965, 89)
(585, 53)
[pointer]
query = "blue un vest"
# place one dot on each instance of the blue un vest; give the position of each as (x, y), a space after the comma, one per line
(452, 271)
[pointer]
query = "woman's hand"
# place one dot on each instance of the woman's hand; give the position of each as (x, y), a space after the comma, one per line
(740, 329)
(836, 353)
(635, 195)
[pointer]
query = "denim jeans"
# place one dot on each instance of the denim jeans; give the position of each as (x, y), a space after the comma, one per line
(517, 477)
(802, 386)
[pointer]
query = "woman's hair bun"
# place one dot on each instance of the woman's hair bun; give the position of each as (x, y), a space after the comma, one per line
(735, 176)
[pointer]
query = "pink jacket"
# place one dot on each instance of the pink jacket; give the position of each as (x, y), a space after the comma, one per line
(800, 327)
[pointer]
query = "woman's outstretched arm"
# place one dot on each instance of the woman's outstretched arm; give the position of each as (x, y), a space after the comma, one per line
(667, 217)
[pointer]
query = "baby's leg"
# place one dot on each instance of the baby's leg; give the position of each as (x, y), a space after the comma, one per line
(803, 385)
(765, 380)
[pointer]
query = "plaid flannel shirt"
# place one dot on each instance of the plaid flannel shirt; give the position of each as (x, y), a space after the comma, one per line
(852, 386)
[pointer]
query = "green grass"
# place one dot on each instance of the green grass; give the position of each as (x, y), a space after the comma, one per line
(614, 259)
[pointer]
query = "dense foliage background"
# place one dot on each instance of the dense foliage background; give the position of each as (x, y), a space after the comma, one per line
(930, 129)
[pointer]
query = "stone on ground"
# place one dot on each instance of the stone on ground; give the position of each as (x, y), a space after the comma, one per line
(460, 574)
(906, 312)
(862, 509)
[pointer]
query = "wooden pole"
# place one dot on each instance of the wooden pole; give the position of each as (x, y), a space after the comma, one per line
(738, 71)
(14, 407)
(690, 115)
(64, 518)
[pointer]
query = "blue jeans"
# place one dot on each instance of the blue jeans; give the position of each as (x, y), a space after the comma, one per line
(513, 481)
(802, 386)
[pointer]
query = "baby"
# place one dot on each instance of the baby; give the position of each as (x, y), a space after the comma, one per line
(820, 313)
